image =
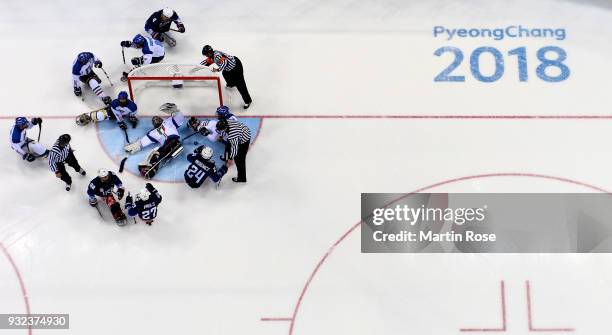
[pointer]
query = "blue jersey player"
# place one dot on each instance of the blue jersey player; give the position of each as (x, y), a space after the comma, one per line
(145, 205)
(124, 109)
(103, 186)
(202, 167)
(159, 23)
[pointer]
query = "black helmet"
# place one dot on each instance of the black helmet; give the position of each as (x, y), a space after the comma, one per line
(157, 121)
(207, 50)
(63, 140)
(222, 125)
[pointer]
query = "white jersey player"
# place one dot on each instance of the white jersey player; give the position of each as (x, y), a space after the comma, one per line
(208, 128)
(82, 72)
(152, 50)
(27, 148)
(165, 134)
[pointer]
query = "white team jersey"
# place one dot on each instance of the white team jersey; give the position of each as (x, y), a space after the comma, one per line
(211, 125)
(17, 138)
(168, 128)
(153, 48)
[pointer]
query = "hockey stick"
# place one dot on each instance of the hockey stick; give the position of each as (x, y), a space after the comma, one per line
(39, 131)
(107, 77)
(123, 54)
(127, 139)
(122, 164)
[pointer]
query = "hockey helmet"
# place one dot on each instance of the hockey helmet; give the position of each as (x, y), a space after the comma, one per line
(123, 98)
(167, 12)
(206, 152)
(138, 40)
(21, 121)
(207, 50)
(222, 125)
(84, 57)
(143, 195)
(63, 140)
(157, 121)
(103, 173)
(223, 112)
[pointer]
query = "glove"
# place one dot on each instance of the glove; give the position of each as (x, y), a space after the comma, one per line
(158, 37)
(29, 157)
(181, 28)
(204, 131)
(126, 44)
(98, 64)
(120, 193)
(207, 62)
(77, 91)
(193, 123)
(93, 202)
(36, 120)
(150, 187)
(122, 125)
(133, 148)
(136, 61)
(133, 121)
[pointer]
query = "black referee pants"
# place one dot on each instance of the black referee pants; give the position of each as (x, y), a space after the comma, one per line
(235, 77)
(71, 161)
(240, 161)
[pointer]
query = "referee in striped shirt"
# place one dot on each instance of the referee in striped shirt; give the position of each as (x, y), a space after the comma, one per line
(231, 69)
(62, 153)
(237, 139)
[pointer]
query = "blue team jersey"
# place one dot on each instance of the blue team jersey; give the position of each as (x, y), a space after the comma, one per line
(101, 189)
(146, 210)
(200, 169)
(155, 23)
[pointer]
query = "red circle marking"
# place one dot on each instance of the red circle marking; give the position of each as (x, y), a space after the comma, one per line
(449, 181)
(24, 293)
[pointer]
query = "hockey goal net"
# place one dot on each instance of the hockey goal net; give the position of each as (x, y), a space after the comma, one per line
(173, 76)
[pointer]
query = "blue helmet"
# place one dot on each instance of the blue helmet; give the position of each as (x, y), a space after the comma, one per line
(84, 57)
(122, 95)
(223, 112)
(20, 121)
(138, 40)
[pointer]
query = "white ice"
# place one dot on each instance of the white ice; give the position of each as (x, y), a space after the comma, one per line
(217, 261)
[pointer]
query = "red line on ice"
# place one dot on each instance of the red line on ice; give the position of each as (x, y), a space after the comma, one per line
(351, 229)
(530, 315)
(24, 293)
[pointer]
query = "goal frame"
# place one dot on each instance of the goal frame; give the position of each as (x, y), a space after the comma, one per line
(216, 79)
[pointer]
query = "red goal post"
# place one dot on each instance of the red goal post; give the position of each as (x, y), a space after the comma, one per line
(173, 73)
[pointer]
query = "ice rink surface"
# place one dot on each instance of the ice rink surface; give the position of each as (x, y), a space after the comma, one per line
(345, 95)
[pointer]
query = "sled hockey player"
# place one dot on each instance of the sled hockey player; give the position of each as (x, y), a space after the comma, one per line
(26, 147)
(122, 109)
(202, 167)
(152, 51)
(103, 186)
(145, 205)
(208, 128)
(82, 72)
(158, 25)
(164, 133)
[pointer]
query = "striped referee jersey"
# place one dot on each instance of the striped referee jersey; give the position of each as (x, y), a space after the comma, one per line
(236, 134)
(224, 61)
(58, 155)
